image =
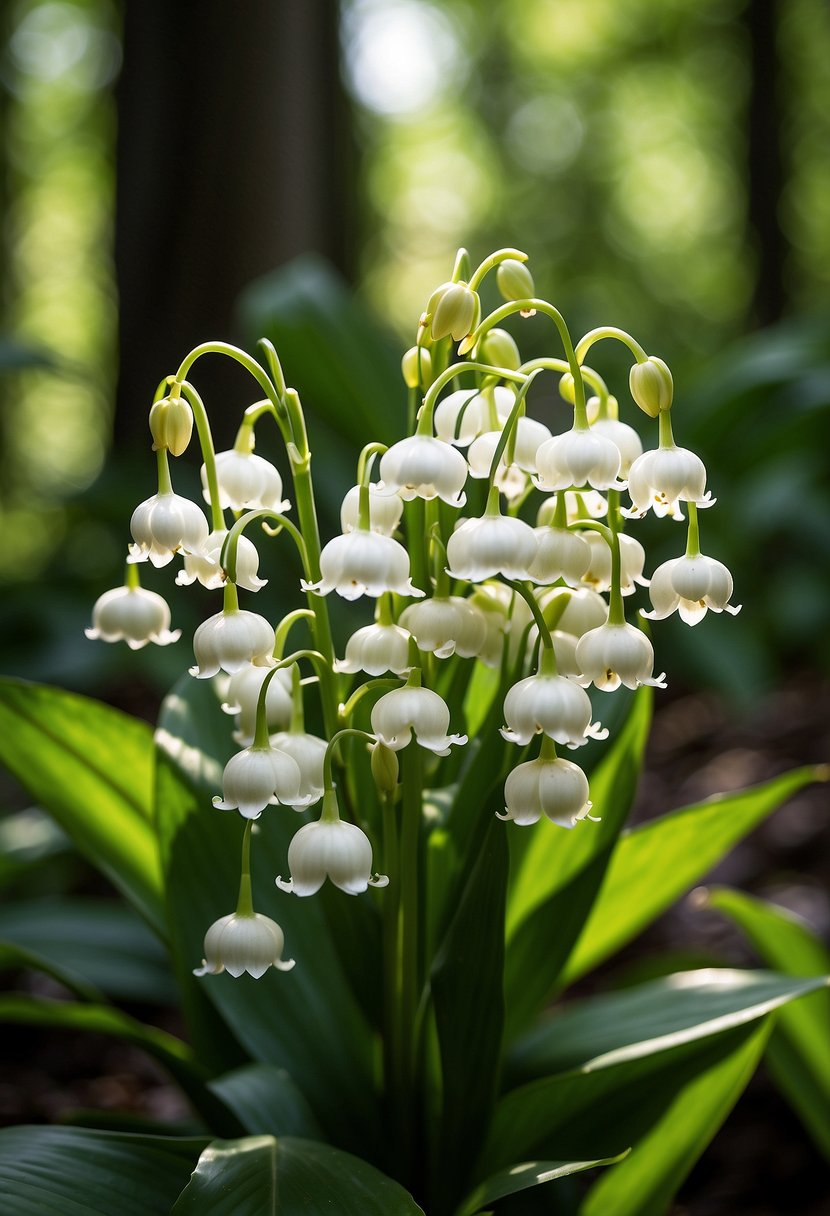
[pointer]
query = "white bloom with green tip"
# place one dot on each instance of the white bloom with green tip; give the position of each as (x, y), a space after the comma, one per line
(376, 649)
(246, 482)
(331, 849)
(552, 787)
(422, 466)
(616, 654)
(363, 563)
(205, 566)
(399, 714)
(230, 641)
(691, 586)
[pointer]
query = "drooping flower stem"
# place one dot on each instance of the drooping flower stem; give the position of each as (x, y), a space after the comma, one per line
(165, 484)
(611, 535)
(665, 429)
(593, 379)
(425, 420)
(610, 331)
(200, 417)
(693, 533)
(508, 433)
(490, 263)
(245, 903)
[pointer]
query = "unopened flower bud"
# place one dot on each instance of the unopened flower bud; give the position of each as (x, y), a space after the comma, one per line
(515, 282)
(651, 386)
(498, 348)
(566, 388)
(456, 312)
(171, 424)
(416, 367)
(385, 768)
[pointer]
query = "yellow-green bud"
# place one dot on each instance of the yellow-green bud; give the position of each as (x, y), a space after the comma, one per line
(651, 386)
(514, 280)
(456, 312)
(567, 391)
(498, 348)
(416, 366)
(171, 424)
(384, 768)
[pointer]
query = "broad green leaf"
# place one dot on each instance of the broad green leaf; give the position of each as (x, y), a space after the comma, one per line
(521, 1177)
(266, 1101)
(799, 1048)
(96, 943)
(619, 1026)
(615, 1062)
(91, 767)
(468, 1003)
(659, 861)
(560, 873)
(16, 958)
(307, 1020)
(283, 1177)
(645, 1183)
(71, 1171)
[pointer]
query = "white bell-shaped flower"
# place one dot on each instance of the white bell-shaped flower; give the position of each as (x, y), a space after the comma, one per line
(246, 482)
(446, 625)
(584, 504)
(331, 849)
(691, 586)
(552, 787)
(663, 478)
(404, 711)
(584, 609)
(422, 466)
(205, 566)
(564, 647)
(257, 777)
(626, 439)
(553, 705)
(242, 696)
(529, 437)
(616, 654)
(385, 510)
(163, 525)
(461, 416)
(632, 560)
(238, 943)
(494, 544)
(363, 563)
(559, 554)
(132, 615)
(230, 641)
(376, 649)
(579, 457)
(309, 753)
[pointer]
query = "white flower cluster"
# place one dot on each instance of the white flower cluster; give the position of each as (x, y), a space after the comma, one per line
(535, 592)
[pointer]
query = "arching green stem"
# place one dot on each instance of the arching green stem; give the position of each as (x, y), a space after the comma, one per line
(346, 732)
(217, 517)
(591, 378)
(227, 558)
(542, 306)
(274, 365)
(364, 473)
(610, 331)
(616, 614)
(359, 693)
(425, 423)
(165, 484)
(245, 903)
(261, 732)
(510, 426)
(501, 255)
(286, 625)
(538, 616)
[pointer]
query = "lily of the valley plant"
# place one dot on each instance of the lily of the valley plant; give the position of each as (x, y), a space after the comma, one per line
(421, 840)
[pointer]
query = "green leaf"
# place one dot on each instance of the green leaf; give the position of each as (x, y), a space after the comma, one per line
(521, 1177)
(266, 1101)
(657, 862)
(260, 1174)
(91, 767)
(71, 1171)
(560, 872)
(645, 1183)
(799, 1048)
(306, 1021)
(615, 1061)
(91, 944)
(469, 1013)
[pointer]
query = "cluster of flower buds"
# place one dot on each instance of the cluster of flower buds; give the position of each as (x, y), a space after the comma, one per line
(536, 591)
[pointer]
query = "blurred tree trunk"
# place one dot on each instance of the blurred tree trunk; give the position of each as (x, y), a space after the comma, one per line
(765, 162)
(234, 155)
